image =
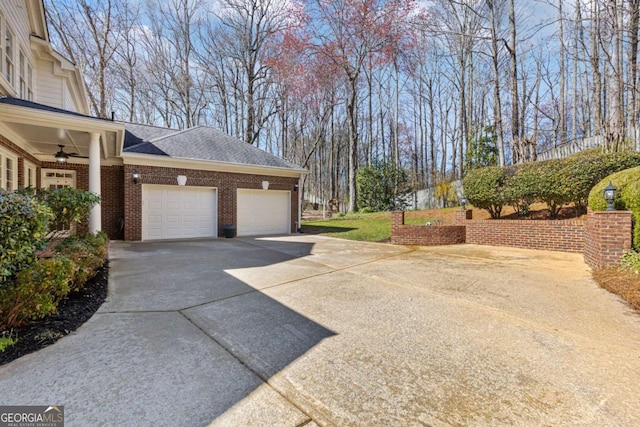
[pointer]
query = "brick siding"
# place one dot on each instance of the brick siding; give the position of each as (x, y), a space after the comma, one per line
(226, 183)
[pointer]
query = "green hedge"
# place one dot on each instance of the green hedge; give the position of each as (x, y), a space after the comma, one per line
(24, 224)
(31, 288)
(35, 292)
(486, 188)
(88, 252)
(556, 183)
(627, 183)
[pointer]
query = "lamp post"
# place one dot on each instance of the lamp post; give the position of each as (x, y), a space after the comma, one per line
(610, 196)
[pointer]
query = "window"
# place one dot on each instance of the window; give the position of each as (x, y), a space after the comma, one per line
(26, 78)
(8, 54)
(29, 175)
(10, 182)
(8, 171)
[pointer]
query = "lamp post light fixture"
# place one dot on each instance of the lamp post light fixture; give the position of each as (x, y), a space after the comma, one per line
(136, 176)
(463, 203)
(610, 196)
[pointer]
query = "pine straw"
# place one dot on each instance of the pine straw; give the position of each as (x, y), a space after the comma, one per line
(623, 283)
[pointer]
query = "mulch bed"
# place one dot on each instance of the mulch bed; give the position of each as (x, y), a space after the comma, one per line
(623, 283)
(72, 312)
(543, 214)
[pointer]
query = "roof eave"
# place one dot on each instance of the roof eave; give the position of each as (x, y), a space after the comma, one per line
(218, 166)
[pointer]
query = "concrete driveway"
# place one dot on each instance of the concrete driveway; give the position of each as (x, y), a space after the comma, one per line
(307, 330)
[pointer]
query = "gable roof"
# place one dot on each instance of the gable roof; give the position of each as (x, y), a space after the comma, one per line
(198, 143)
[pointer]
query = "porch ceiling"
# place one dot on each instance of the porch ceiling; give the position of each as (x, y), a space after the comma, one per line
(43, 141)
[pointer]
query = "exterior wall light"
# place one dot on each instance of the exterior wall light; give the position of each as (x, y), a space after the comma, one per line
(135, 176)
(463, 203)
(295, 187)
(182, 180)
(610, 196)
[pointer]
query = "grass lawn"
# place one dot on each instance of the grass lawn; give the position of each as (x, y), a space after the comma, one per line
(373, 227)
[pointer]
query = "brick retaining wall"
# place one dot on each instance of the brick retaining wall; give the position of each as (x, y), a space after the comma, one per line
(603, 238)
(423, 235)
(566, 236)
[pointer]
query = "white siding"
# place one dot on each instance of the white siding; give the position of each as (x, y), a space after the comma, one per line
(68, 100)
(48, 86)
(17, 20)
(54, 79)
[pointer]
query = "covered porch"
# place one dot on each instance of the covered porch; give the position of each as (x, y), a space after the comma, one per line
(42, 139)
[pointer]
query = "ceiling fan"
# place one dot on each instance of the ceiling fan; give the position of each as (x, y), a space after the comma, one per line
(62, 157)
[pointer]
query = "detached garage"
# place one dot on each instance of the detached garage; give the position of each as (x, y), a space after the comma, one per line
(262, 212)
(177, 212)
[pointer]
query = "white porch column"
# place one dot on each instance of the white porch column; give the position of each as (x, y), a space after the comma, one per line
(95, 217)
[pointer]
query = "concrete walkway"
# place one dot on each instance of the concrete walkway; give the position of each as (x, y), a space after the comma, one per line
(307, 330)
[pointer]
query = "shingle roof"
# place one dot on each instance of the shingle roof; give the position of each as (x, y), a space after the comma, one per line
(198, 143)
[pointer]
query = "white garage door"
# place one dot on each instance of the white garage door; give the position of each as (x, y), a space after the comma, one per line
(263, 212)
(176, 212)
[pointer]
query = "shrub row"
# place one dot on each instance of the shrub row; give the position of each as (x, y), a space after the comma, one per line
(30, 287)
(36, 291)
(556, 183)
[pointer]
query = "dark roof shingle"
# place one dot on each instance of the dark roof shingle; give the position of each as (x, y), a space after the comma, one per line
(198, 143)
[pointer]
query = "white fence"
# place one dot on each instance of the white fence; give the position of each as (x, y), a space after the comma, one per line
(426, 199)
(573, 147)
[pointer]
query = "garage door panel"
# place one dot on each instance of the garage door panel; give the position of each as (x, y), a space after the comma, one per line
(262, 212)
(172, 212)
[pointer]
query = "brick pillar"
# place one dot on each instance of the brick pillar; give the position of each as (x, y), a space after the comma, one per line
(462, 215)
(608, 236)
(397, 220)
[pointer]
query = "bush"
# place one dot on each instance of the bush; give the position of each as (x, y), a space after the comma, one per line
(383, 187)
(88, 252)
(521, 191)
(35, 292)
(69, 205)
(631, 262)
(23, 227)
(550, 187)
(627, 183)
(584, 170)
(486, 189)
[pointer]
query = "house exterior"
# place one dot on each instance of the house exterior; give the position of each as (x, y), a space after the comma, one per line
(154, 183)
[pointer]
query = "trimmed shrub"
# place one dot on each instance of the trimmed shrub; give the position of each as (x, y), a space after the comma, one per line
(24, 225)
(486, 189)
(627, 183)
(35, 292)
(584, 170)
(551, 188)
(69, 205)
(88, 252)
(521, 191)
